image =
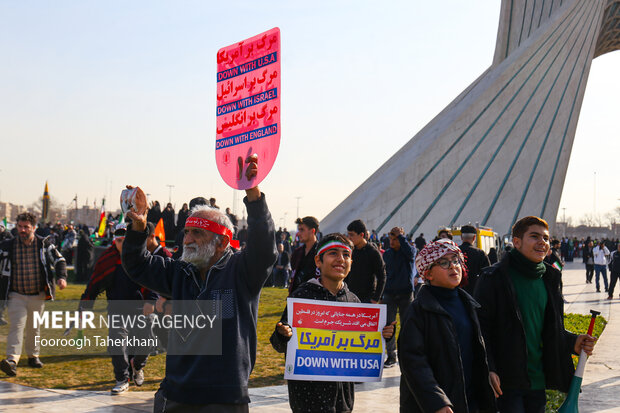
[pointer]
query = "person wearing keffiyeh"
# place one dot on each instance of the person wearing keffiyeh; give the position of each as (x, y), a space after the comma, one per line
(440, 348)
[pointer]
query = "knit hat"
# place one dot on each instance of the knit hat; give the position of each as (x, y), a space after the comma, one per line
(434, 251)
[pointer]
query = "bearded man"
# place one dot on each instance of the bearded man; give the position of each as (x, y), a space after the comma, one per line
(209, 270)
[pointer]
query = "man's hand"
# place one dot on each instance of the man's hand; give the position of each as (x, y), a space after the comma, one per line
(284, 330)
(495, 384)
(586, 343)
(148, 308)
(445, 409)
(61, 283)
(388, 330)
(253, 194)
(138, 210)
(159, 304)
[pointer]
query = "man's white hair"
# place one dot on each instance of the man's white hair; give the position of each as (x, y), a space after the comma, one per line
(200, 255)
(213, 214)
(468, 236)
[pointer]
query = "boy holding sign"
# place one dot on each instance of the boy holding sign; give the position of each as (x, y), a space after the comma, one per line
(333, 260)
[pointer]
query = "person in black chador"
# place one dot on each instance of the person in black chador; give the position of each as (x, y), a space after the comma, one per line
(168, 217)
(154, 213)
(85, 255)
(588, 260)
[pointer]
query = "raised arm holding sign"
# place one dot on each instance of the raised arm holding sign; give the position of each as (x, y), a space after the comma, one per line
(209, 271)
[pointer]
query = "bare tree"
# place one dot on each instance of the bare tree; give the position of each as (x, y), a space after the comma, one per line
(587, 220)
(55, 212)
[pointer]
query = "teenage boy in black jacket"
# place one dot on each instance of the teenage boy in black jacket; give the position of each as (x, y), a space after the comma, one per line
(367, 276)
(522, 321)
(440, 347)
(209, 270)
(333, 259)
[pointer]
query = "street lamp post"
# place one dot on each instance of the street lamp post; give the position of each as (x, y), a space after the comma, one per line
(298, 198)
(170, 193)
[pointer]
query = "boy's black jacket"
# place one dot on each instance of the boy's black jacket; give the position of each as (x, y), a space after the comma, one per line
(315, 396)
(430, 361)
(504, 336)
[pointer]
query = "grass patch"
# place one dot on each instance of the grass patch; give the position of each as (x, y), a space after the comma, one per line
(95, 372)
(578, 324)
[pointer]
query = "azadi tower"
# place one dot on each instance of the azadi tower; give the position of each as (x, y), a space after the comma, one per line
(500, 150)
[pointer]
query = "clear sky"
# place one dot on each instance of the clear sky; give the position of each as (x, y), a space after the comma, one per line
(98, 94)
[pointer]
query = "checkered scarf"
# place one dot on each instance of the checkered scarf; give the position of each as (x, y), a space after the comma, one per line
(434, 251)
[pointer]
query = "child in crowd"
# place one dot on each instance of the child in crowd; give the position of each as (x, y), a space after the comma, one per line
(441, 351)
(333, 260)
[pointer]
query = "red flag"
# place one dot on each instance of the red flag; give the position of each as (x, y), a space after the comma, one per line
(159, 232)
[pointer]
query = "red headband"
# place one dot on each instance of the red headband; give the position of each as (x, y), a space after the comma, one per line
(214, 227)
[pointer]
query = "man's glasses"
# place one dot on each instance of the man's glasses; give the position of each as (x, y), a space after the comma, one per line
(445, 264)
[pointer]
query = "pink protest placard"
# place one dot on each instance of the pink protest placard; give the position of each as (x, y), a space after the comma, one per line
(248, 107)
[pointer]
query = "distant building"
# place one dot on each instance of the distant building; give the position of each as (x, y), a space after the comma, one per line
(85, 215)
(10, 211)
(584, 231)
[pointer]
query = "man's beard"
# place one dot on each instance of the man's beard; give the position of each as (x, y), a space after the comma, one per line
(199, 255)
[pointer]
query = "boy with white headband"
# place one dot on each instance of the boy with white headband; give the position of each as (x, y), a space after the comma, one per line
(440, 348)
(333, 260)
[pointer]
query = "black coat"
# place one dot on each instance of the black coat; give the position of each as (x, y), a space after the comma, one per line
(303, 266)
(367, 276)
(85, 257)
(587, 254)
(504, 335)
(476, 260)
(181, 218)
(430, 362)
(169, 228)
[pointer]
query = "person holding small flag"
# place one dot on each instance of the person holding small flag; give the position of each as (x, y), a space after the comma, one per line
(522, 322)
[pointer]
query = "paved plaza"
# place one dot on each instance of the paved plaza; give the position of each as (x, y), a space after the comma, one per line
(601, 389)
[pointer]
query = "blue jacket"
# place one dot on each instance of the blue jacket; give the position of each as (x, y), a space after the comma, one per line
(235, 280)
(399, 268)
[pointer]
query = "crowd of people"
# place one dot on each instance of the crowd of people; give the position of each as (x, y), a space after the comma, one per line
(478, 333)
